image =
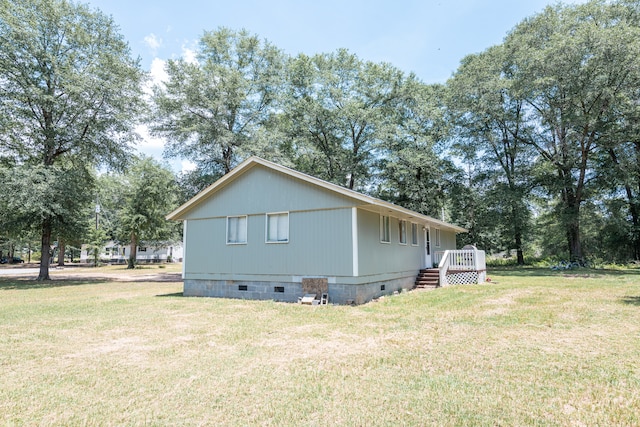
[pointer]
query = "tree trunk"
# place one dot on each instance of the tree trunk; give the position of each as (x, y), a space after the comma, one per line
(45, 250)
(134, 251)
(573, 235)
(519, 252)
(635, 222)
(61, 250)
(571, 200)
(517, 224)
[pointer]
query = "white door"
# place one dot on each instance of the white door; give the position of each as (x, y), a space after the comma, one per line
(428, 263)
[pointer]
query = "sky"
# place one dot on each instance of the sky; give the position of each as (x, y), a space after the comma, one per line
(426, 37)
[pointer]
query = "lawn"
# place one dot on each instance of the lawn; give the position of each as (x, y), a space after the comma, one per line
(534, 347)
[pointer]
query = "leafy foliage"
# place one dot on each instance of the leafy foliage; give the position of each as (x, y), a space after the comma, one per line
(149, 193)
(539, 133)
(69, 95)
(574, 68)
(338, 111)
(212, 109)
(489, 121)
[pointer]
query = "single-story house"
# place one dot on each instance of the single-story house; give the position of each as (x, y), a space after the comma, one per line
(264, 231)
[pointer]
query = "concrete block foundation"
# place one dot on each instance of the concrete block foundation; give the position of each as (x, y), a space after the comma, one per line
(339, 293)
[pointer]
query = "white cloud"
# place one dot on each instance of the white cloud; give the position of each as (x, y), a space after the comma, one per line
(153, 41)
(187, 166)
(157, 75)
(189, 55)
(157, 71)
(148, 142)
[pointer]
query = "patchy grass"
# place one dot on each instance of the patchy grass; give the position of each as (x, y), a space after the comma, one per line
(533, 348)
(120, 268)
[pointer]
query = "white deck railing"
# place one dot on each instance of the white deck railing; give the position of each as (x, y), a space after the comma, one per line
(465, 260)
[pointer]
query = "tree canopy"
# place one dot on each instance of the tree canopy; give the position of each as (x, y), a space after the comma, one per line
(139, 201)
(532, 144)
(69, 94)
(211, 110)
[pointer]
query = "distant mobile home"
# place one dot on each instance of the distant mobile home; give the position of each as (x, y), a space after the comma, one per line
(264, 231)
(115, 253)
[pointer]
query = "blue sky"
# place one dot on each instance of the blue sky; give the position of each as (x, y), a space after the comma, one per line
(427, 37)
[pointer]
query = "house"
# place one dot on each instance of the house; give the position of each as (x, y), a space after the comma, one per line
(264, 231)
(115, 253)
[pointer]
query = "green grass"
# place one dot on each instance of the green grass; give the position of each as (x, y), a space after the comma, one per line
(534, 347)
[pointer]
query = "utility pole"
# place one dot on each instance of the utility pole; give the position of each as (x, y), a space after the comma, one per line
(97, 212)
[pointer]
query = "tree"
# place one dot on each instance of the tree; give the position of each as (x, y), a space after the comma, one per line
(26, 200)
(149, 193)
(69, 93)
(469, 188)
(96, 238)
(338, 108)
(572, 67)
(489, 121)
(212, 110)
(412, 171)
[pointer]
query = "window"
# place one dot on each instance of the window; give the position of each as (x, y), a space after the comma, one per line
(236, 230)
(142, 249)
(384, 229)
(278, 227)
(436, 237)
(402, 231)
(414, 234)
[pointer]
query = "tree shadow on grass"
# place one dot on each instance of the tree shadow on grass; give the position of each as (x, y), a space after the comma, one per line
(7, 284)
(630, 300)
(546, 272)
(176, 294)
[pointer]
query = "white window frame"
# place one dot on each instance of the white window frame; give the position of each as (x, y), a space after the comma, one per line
(385, 229)
(414, 234)
(266, 228)
(436, 237)
(246, 236)
(402, 232)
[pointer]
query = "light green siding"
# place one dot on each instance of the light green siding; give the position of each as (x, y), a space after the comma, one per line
(261, 190)
(319, 245)
(447, 240)
(321, 242)
(333, 233)
(376, 257)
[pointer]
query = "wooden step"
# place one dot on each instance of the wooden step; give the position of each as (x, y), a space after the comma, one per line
(428, 278)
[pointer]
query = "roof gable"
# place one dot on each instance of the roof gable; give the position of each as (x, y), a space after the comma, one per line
(259, 190)
(356, 199)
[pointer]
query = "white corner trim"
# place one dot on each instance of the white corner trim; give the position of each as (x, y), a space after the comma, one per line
(184, 248)
(354, 240)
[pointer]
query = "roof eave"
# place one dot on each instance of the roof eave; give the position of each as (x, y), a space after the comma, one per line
(178, 214)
